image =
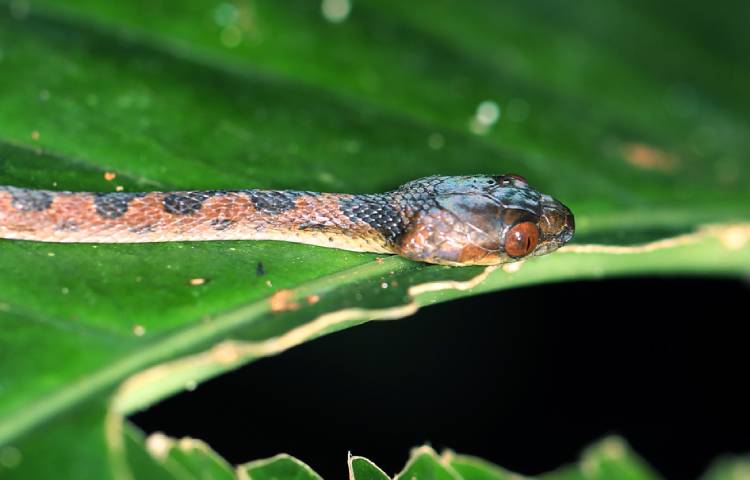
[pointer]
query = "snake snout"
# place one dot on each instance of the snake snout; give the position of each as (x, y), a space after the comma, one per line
(570, 226)
(557, 222)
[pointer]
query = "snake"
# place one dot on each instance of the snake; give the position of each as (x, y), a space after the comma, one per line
(447, 220)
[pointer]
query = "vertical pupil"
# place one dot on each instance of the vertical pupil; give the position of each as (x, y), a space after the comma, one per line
(522, 240)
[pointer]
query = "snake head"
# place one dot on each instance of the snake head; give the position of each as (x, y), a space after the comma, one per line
(480, 220)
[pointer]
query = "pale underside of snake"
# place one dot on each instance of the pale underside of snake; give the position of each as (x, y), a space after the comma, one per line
(456, 220)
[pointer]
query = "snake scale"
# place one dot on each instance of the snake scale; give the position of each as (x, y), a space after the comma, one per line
(450, 220)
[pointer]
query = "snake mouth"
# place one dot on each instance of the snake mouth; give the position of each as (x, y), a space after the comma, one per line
(569, 227)
(557, 225)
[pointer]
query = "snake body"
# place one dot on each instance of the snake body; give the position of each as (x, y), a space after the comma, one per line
(447, 220)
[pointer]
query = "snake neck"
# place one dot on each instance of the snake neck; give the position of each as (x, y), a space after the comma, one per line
(352, 222)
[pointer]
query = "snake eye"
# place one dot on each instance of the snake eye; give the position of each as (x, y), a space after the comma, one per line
(508, 177)
(521, 239)
(517, 177)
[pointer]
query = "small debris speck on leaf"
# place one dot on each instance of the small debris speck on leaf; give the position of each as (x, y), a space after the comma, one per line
(281, 301)
(313, 299)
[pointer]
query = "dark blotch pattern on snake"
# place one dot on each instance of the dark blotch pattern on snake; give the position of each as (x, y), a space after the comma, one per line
(275, 201)
(463, 220)
(378, 211)
(29, 200)
(113, 205)
(185, 203)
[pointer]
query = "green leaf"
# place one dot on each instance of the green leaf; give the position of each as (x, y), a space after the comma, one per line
(425, 464)
(733, 467)
(609, 459)
(360, 468)
(183, 94)
(473, 468)
(278, 467)
(164, 457)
